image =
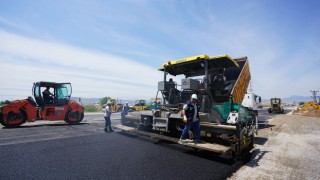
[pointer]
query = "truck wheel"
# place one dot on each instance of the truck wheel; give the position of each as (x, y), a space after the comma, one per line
(73, 117)
(251, 143)
(18, 118)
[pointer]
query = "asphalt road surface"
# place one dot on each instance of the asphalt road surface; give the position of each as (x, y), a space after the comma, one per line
(55, 150)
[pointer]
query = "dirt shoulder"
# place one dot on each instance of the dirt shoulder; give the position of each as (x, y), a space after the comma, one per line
(288, 148)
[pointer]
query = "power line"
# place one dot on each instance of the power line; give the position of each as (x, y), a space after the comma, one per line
(314, 96)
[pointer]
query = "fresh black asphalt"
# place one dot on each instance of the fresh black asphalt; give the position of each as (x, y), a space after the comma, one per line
(86, 152)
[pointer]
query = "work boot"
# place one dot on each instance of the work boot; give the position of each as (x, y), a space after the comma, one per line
(110, 129)
(106, 130)
(182, 141)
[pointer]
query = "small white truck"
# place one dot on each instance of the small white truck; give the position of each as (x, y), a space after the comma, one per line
(252, 100)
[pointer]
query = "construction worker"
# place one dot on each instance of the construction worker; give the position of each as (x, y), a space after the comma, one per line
(107, 117)
(124, 112)
(170, 81)
(218, 83)
(220, 75)
(125, 108)
(47, 95)
(190, 114)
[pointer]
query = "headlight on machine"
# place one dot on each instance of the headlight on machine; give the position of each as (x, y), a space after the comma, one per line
(232, 118)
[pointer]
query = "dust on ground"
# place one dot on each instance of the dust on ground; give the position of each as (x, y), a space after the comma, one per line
(307, 112)
(288, 149)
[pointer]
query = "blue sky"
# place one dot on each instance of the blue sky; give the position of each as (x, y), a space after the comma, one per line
(113, 48)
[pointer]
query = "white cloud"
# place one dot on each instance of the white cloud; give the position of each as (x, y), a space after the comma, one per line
(92, 74)
(16, 23)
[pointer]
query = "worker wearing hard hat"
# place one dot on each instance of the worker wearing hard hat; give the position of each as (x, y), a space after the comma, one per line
(190, 114)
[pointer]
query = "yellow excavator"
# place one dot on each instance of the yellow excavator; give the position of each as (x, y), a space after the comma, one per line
(310, 104)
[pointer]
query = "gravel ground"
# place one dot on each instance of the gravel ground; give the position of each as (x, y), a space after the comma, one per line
(289, 148)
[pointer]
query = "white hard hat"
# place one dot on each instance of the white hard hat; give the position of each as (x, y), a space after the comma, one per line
(126, 102)
(194, 96)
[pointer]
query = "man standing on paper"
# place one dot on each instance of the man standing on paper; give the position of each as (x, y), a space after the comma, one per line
(191, 118)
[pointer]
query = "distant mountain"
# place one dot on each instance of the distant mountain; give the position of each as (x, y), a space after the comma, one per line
(97, 100)
(292, 99)
(296, 98)
(87, 100)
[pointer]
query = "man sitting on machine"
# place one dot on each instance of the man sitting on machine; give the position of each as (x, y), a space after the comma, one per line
(47, 95)
(218, 84)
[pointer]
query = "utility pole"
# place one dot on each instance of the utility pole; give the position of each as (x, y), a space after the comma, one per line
(314, 96)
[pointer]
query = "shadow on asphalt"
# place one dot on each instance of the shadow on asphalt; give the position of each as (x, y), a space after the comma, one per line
(208, 155)
(260, 140)
(223, 159)
(68, 124)
(286, 111)
(41, 125)
(264, 126)
(127, 134)
(257, 155)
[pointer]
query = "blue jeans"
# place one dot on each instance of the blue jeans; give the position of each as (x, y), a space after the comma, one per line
(196, 128)
(108, 122)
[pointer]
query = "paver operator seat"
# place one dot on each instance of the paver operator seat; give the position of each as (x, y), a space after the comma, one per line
(217, 86)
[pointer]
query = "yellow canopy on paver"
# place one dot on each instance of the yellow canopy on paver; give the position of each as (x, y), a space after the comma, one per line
(192, 66)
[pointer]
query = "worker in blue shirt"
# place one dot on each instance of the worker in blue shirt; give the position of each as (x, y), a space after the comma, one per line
(125, 108)
(190, 114)
(124, 112)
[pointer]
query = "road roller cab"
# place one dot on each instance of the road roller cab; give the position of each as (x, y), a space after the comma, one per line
(52, 102)
(51, 94)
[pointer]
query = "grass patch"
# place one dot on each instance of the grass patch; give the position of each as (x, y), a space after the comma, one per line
(91, 108)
